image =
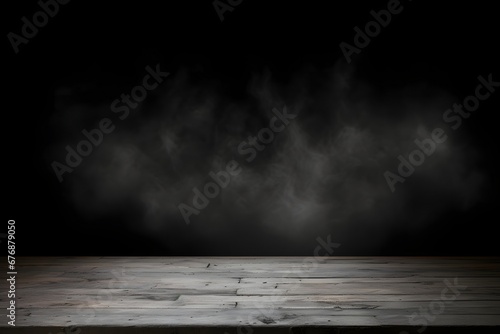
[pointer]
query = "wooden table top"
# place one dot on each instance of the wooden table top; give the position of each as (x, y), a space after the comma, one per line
(246, 295)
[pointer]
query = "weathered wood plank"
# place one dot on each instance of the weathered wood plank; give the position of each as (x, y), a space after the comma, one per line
(234, 316)
(169, 294)
(147, 292)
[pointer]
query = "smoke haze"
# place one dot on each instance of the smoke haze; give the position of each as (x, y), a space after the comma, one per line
(324, 174)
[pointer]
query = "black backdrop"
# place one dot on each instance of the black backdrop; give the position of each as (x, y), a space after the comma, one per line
(427, 50)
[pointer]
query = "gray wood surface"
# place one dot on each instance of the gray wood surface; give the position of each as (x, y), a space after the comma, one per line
(235, 294)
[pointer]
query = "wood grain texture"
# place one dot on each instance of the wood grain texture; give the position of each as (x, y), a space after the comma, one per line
(233, 295)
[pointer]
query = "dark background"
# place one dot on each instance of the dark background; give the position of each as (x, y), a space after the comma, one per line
(100, 50)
